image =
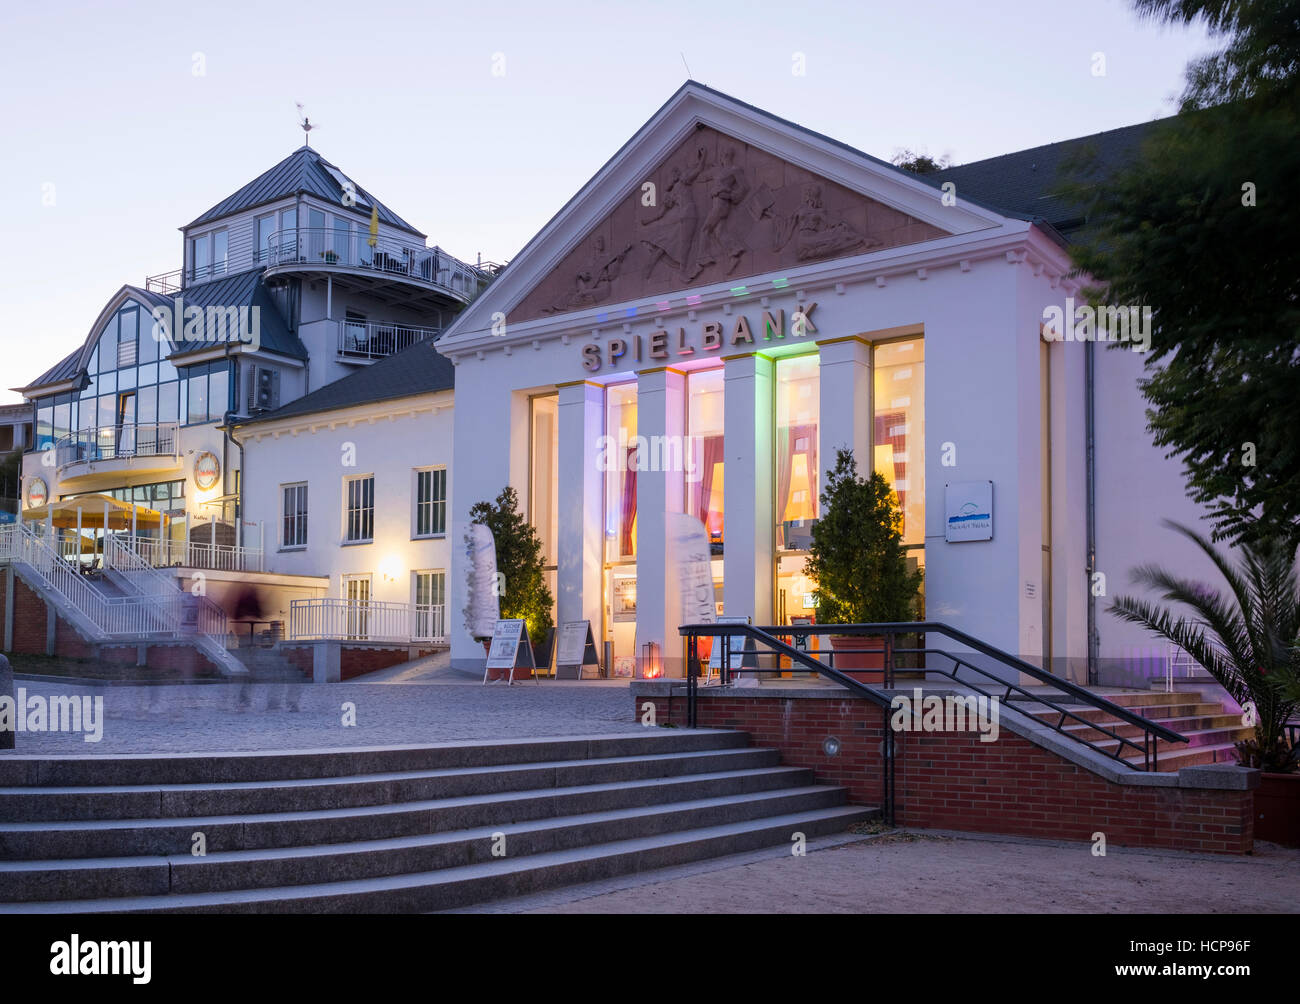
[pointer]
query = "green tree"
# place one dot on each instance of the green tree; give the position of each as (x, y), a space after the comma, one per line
(920, 163)
(519, 559)
(1201, 228)
(1249, 640)
(857, 557)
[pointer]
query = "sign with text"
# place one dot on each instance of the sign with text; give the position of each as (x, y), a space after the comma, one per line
(968, 511)
(577, 650)
(510, 649)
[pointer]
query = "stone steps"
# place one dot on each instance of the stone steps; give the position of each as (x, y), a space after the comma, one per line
(1211, 731)
(390, 829)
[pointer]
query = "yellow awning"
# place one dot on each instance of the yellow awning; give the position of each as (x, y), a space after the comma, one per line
(64, 514)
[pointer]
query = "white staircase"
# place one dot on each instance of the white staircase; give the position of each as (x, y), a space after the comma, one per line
(152, 609)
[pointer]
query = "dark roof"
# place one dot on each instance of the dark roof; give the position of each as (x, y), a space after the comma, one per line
(1022, 184)
(303, 171)
(243, 289)
(64, 369)
(420, 369)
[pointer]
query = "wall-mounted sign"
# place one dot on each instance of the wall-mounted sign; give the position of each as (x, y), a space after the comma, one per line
(37, 492)
(968, 510)
(662, 344)
(207, 470)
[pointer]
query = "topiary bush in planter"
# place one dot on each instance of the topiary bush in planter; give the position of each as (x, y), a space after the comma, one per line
(858, 562)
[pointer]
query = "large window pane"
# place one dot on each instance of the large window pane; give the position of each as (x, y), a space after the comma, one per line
(899, 430)
(167, 402)
(704, 421)
(220, 251)
(201, 257)
(197, 385)
(798, 405)
(545, 488)
(620, 462)
(218, 390)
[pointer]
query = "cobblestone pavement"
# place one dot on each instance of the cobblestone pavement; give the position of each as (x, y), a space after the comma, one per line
(228, 717)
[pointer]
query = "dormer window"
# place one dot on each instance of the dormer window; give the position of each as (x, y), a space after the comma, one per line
(209, 255)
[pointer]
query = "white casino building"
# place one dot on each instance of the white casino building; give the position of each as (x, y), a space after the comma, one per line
(767, 294)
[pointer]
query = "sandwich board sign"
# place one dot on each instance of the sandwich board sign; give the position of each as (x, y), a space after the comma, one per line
(576, 650)
(510, 649)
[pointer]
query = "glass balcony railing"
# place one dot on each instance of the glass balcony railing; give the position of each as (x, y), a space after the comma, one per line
(114, 442)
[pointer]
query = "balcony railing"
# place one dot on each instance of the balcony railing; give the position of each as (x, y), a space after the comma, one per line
(321, 246)
(163, 552)
(165, 282)
(327, 619)
(378, 339)
(117, 442)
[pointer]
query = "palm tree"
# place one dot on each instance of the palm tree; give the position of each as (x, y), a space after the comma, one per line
(1247, 640)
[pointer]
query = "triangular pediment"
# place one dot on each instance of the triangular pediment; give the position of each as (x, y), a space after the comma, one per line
(717, 209)
(708, 193)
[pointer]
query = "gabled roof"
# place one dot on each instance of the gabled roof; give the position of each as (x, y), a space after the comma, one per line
(419, 369)
(1022, 184)
(304, 171)
(244, 289)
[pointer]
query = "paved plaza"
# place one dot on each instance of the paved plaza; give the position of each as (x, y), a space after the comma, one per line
(224, 717)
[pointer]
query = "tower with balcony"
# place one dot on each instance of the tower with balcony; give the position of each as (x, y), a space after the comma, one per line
(297, 279)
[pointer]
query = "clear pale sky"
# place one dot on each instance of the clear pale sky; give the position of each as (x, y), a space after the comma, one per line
(102, 102)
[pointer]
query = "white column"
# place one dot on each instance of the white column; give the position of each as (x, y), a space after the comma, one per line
(660, 484)
(580, 543)
(79, 538)
(747, 489)
(844, 421)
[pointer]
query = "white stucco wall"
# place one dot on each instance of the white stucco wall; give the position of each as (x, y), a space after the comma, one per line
(389, 440)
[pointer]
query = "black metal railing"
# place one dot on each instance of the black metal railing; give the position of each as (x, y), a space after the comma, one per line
(881, 640)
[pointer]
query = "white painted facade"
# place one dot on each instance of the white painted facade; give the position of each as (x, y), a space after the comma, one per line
(1000, 404)
(389, 441)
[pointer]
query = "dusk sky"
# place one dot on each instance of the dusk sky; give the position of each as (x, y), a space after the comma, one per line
(115, 138)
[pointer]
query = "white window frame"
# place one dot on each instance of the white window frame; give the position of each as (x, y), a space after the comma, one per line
(209, 241)
(348, 510)
(424, 612)
(286, 545)
(437, 506)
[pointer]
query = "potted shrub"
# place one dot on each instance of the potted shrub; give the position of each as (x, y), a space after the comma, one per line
(520, 568)
(859, 565)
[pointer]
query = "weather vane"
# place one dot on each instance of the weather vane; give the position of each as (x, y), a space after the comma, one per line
(304, 123)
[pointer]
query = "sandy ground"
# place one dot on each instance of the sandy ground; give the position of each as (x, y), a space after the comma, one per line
(926, 873)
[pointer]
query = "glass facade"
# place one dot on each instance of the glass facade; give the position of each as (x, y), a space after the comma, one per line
(128, 383)
(798, 406)
(620, 463)
(704, 475)
(206, 391)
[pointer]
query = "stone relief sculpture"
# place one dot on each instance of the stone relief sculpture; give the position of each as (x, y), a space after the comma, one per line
(815, 234)
(727, 189)
(592, 283)
(677, 220)
(724, 209)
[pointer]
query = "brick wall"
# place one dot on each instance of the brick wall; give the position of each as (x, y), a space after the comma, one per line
(29, 620)
(948, 780)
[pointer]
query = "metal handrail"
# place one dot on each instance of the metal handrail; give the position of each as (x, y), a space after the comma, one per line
(352, 249)
(1152, 731)
(379, 339)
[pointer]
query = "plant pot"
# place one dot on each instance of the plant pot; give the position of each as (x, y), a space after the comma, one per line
(865, 667)
(1277, 809)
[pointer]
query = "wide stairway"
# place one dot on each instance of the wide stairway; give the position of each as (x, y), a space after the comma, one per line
(391, 829)
(1211, 730)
